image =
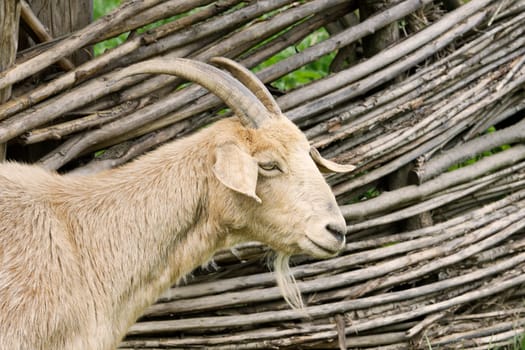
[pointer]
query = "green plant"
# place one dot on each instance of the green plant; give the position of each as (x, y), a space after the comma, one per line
(312, 71)
(100, 8)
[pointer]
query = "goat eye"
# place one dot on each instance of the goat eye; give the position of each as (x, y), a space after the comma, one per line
(269, 166)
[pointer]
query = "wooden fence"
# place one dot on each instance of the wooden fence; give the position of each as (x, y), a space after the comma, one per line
(426, 99)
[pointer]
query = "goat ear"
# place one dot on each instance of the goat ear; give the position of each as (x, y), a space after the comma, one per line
(327, 166)
(236, 170)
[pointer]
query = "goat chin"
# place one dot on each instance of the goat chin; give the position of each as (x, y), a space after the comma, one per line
(286, 281)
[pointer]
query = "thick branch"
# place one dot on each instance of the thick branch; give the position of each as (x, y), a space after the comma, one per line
(487, 142)
(74, 42)
(398, 198)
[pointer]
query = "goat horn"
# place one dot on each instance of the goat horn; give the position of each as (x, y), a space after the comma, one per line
(251, 81)
(235, 95)
(327, 166)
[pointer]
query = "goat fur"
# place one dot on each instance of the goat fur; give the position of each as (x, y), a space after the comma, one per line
(81, 256)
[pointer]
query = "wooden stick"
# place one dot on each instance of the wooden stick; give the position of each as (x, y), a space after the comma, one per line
(318, 311)
(351, 75)
(74, 42)
(29, 17)
(409, 194)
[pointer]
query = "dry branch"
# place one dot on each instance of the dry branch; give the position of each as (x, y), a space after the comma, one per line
(80, 39)
(410, 194)
(351, 75)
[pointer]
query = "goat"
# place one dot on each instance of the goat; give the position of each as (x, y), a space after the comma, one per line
(81, 256)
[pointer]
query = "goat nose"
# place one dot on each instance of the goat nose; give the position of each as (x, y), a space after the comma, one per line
(338, 231)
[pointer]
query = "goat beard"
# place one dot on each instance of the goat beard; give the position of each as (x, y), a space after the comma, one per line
(286, 281)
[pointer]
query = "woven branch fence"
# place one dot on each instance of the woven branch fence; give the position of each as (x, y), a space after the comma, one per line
(435, 258)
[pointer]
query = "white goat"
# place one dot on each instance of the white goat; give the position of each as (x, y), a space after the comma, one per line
(82, 256)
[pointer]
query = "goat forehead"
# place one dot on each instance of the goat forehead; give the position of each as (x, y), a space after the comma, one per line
(277, 136)
(284, 135)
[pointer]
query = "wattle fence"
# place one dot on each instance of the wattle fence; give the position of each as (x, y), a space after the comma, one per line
(433, 118)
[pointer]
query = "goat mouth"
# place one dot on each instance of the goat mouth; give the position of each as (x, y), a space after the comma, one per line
(327, 251)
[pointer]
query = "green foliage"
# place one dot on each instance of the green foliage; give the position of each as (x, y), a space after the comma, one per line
(312, 71)
(368, 194)
(371, 193)
(100, 8)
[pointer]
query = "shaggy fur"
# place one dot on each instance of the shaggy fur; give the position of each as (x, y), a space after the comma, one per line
(82, 256)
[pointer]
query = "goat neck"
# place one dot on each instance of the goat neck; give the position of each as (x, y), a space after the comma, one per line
(149, 226)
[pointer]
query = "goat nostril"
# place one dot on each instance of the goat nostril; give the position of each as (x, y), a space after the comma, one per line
(337, 231)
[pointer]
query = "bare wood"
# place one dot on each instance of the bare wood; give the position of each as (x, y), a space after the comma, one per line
(204, 29)
(408, 194)
(68, 46)
(65, 17)
(9, 14)
(113, 159)
(242, 40)
(339, 40)
(469, 296)
(426, 78)
(29, 17)
(89, 69)
(30, 119)
(354, 73)
(382, 38)
(294, 35)
(315, 311)
(161, 11)
(511, 135)
(58, 131)
(437, 140)
(61, 130)
(373, 80)
(427, 321)
(90, 92)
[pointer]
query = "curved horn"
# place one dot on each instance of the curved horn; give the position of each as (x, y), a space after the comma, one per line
(251, 81)
(327, 166)
(240, 99)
